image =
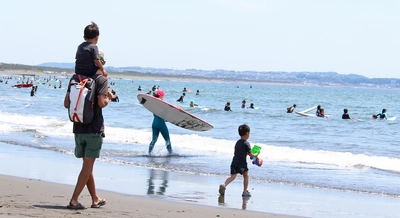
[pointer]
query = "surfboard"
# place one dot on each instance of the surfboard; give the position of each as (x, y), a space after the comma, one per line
(305, 113)
(311, 115)
(173, 114)
(390, 118)
(308, 110)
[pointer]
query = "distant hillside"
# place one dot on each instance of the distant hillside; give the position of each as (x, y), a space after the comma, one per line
(22, 68)
(318, 78)
(58, 65)
(315, 78)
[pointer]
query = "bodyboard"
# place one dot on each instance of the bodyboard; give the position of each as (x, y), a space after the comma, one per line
(173, 114)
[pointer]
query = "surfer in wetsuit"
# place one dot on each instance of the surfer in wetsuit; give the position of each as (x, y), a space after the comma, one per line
(244, 104)
(33, 91)
(115, 98)
(181, 98)
(381, 115)
(159, 126)
(228, 106)
(345, 114)
(291, 109)
(321, 113)
(318, 112)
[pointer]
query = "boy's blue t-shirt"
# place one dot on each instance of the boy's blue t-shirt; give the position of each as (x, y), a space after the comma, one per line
(86, 53)
(242, 148)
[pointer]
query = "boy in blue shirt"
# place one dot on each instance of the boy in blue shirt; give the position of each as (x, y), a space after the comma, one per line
(239, 163)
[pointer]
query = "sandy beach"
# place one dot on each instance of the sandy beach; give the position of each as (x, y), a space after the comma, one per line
(22, 197)
(39, 170)
(25, 197)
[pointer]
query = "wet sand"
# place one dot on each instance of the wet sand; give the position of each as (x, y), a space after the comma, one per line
(22, 197)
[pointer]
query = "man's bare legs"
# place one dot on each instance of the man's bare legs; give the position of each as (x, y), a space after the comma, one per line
(85, 178)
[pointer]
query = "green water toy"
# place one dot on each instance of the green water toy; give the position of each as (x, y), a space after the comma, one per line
(256, 150)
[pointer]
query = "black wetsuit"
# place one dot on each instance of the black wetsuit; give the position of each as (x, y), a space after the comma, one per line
(346, 116)
(180, 99)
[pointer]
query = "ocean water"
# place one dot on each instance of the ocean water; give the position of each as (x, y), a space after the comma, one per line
(359, 156)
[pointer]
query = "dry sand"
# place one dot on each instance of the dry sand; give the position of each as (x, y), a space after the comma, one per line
(22, 197)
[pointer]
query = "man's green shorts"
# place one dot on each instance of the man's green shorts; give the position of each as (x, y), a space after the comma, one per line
(88, 145)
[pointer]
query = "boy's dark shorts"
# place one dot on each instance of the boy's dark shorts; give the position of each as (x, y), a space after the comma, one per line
(88, 145)
(236, 170)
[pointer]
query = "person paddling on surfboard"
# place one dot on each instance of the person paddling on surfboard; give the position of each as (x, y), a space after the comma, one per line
(159, 126)
(291, 109)
(380, 115)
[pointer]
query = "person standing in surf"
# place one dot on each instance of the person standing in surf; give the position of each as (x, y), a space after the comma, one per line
(228, 106)
(181, 98)
(239, 163)
(243, 104)
(159, 126)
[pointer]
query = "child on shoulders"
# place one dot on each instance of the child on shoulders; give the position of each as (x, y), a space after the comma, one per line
(89, 60)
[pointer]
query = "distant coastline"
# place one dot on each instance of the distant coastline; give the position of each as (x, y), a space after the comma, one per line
(331, 79)
(16, 69)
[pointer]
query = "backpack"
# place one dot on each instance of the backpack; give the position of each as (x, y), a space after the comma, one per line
(81, 98)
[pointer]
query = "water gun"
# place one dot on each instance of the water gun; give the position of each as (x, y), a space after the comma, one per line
(256, 160)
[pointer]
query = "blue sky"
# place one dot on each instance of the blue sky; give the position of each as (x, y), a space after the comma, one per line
(357, 36)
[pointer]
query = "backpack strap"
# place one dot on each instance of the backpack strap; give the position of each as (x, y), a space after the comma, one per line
(83, 84)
